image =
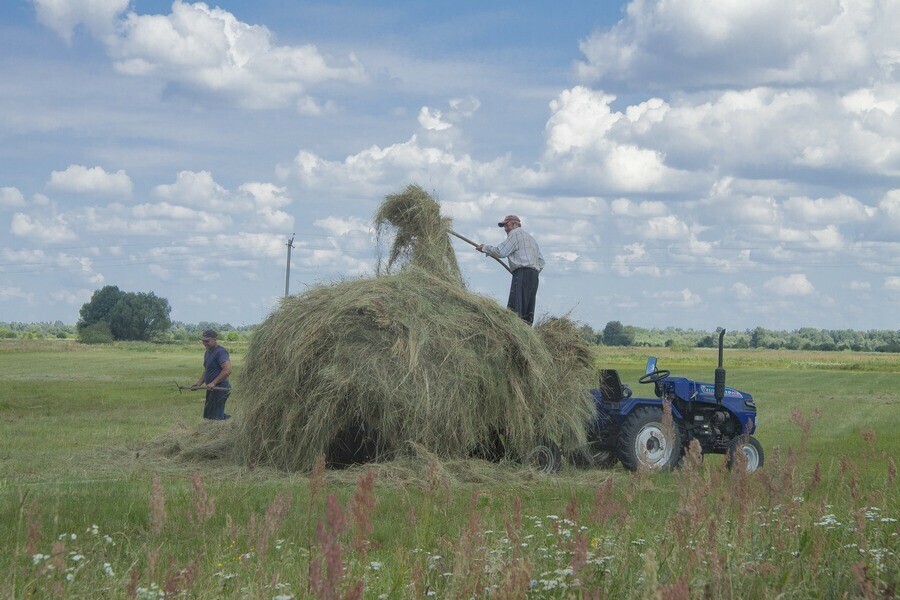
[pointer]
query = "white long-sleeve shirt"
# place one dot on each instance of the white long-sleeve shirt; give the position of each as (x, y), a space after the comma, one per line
(520, 248)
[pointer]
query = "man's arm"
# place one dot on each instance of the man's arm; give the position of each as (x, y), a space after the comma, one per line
(508, 246)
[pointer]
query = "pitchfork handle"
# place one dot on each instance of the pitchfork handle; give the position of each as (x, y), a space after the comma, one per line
(467, 240)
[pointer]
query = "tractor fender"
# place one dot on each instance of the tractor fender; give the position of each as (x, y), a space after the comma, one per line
(632, 404)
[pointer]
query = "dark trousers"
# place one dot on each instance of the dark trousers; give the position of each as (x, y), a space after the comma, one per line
(214, 408)
(523, 293)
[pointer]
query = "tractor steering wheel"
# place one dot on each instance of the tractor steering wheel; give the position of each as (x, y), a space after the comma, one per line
(654, 376)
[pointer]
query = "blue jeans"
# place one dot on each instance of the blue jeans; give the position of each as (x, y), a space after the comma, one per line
(214, 408)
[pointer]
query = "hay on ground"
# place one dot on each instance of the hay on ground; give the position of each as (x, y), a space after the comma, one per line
(360, 369)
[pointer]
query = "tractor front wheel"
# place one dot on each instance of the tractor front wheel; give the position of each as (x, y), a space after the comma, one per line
(645, 442)
(751, 449)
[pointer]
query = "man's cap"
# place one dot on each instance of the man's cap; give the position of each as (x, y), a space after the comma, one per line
(209, 334)
(508, 219)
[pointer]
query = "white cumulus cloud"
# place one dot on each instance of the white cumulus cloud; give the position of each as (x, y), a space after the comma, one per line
(196, 189)
(432, 119)
(841, 209)
(205, 49)
(587, 140)
(696, 42)
(741, 290)
(52, 230)
(795, 284)
(63, 16)
(11, 197)
(343, 226)
(95, 180)
(15, 293)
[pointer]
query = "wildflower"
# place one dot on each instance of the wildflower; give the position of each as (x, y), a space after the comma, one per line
(283, 597)
(38, 558)
(93, 529)
(828, 521)
(107, 568)
(73, 537)
(375, 566)
(108, 540)
(151, 593)
(70, 576)
(76, 557)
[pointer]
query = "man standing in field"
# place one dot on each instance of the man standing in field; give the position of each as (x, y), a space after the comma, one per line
(525, 262)
(217, 368)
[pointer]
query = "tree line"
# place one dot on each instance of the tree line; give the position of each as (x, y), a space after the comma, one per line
(805, 338)
(112, 314)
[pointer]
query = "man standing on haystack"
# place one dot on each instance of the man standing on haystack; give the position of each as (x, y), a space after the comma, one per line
(525, 262)
(217, 368)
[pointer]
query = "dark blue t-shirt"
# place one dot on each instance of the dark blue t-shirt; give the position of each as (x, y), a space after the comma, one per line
(212, 362)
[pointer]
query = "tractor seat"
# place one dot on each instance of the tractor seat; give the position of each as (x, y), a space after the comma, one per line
(611, 387)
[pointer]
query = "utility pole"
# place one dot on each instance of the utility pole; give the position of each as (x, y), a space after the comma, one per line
(287, 274)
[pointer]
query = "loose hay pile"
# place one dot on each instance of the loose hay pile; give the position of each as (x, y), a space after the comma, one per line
(359, 369)
(400, 364)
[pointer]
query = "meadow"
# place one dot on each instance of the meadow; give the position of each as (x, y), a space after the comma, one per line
(90, 508)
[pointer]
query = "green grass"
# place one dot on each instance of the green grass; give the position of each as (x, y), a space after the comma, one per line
(819, 520)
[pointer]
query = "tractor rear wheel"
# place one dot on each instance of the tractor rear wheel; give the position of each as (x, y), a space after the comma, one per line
(546, 458)
(644, 442)
(751, 449)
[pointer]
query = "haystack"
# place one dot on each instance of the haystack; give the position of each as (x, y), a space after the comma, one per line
(362, 369)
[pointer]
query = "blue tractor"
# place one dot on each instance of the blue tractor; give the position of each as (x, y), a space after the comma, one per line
(637, 431)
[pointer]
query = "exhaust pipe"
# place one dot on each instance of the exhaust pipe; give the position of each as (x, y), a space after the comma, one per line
(720, 371)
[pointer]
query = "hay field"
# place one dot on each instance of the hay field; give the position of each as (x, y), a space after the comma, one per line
(87, 509)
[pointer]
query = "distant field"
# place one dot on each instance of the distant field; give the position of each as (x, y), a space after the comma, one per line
(79, 516)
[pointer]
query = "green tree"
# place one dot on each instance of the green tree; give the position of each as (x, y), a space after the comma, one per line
(616, 334)
(129, 316)
(99, 306)
(757, 338)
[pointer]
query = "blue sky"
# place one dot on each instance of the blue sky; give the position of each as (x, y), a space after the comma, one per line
(686, 163)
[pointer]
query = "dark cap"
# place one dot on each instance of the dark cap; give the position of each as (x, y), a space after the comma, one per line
(209, 334)
(508, 219)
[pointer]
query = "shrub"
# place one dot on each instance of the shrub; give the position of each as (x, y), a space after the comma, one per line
(97, 333)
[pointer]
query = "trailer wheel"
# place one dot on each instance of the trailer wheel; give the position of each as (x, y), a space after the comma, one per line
(645, 443)
(751, 448)
(545, 458)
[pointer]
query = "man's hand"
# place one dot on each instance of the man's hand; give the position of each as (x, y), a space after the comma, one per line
(480, 247)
